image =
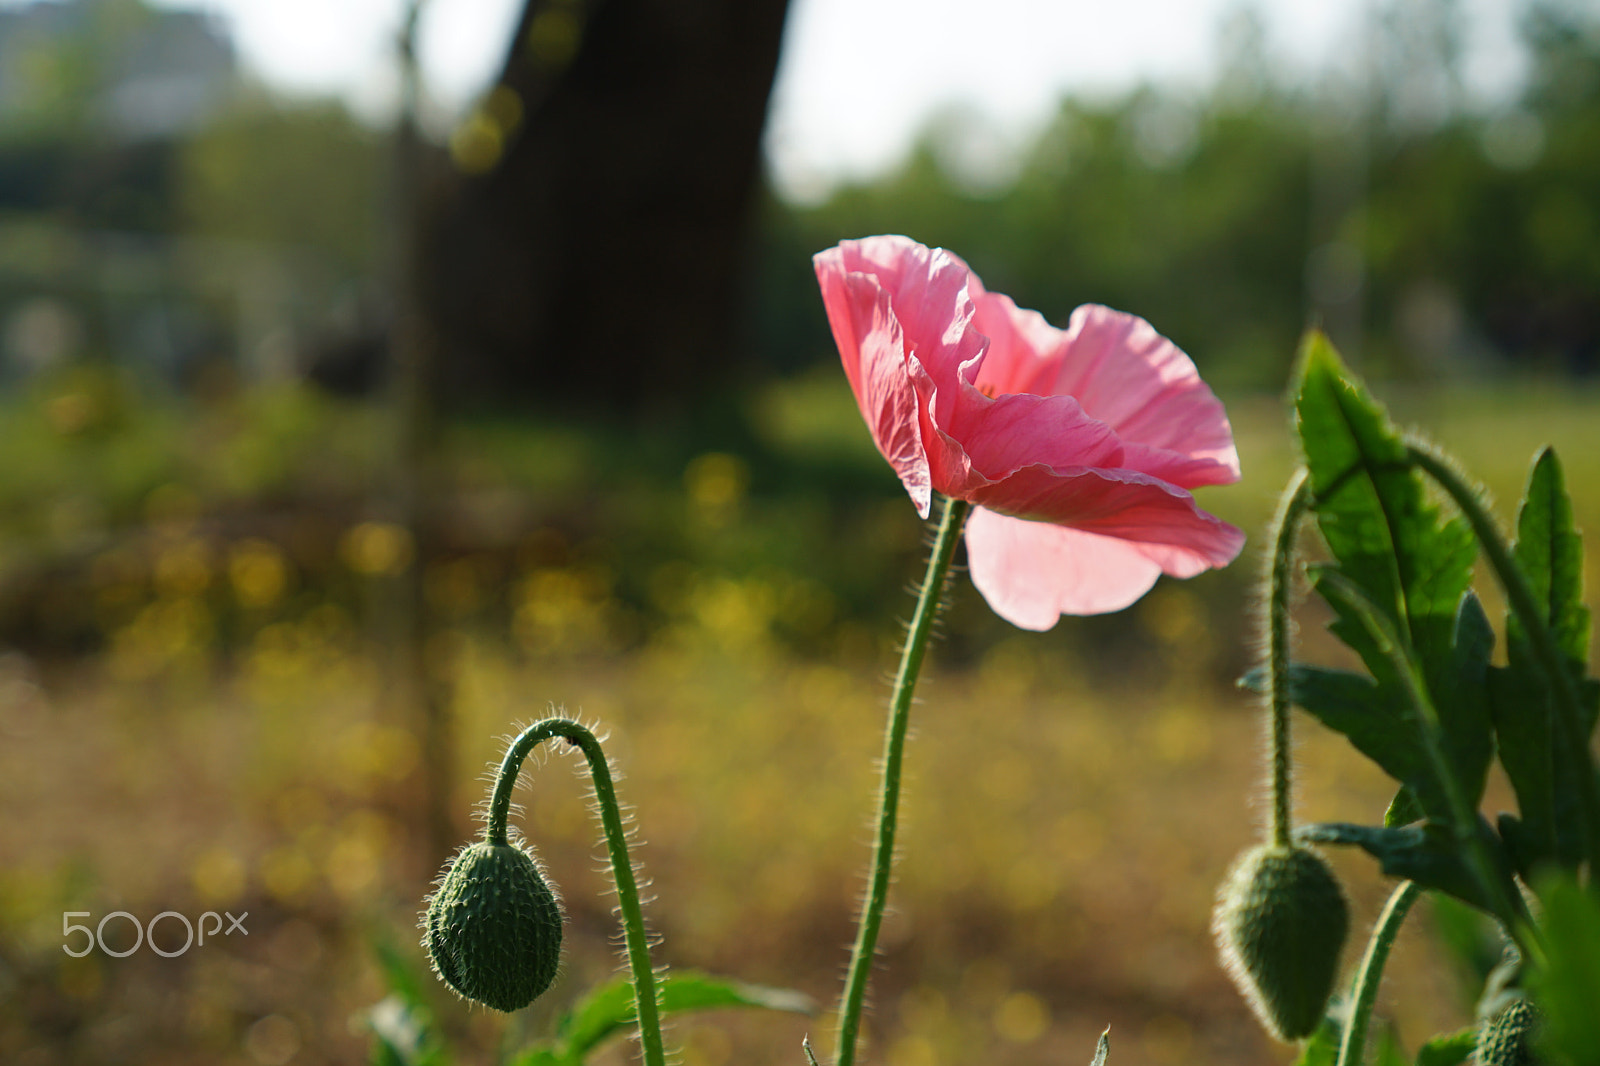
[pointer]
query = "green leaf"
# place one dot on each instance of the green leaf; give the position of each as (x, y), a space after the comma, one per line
(1389, 539)
(540, 1055)
(1550, 552)
(402, 1023)
(1449, 1050)
(1378, 719)
(1466, 937)
(1322, 1048)
(1568, 987)
(401, 1034)
(1403, 809)
(1461, 698)
(1386, 1049)
(1375, 515)
(608, 1009)
(400, 975)
(1520, 708)
(1428, 854)
(1372, 720)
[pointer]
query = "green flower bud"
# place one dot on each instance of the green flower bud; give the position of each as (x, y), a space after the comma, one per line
(1280, 924)
(494, 927)
(1508, 1039)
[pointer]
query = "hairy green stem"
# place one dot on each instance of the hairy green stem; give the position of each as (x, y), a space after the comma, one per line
(894, 743)
(1365, 993)
(605, 794)
(1503, 902)
(1568, 713)
(1297, 498)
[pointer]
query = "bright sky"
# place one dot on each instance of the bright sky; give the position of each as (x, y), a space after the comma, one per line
(857, 77)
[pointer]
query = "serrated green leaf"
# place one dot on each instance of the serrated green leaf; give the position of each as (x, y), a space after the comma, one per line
(1322, 1048)
(1379, 722)
(1519, 706)
(1376, 722)
(1461, 698)
(1449, 1050)
(1542, 775)
(1375, 516)
(1568, 986)
(1550, 552)
(1428, 854)
(608, 1009)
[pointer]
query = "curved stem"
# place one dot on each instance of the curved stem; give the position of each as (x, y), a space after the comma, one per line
(1503, 901)
(1568, 714)
(905, 683)
(1365, 994)
(605, 794)
(1297, 498)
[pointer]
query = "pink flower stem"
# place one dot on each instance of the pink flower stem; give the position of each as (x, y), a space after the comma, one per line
(905, 684)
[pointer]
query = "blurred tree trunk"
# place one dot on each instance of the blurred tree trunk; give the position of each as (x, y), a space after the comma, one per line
(589, 248)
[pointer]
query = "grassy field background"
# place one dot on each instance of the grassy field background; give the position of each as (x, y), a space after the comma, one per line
(202, 708)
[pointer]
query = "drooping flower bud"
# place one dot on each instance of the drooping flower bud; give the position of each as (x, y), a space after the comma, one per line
(494, 927)
(1280, 924)
(1508, 1039)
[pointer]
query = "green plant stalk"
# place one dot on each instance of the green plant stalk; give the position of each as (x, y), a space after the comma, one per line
(1365, 992)
(894, 743)
(1568, 714)
(645, 1001)
(1297, 498)
(1509, 910)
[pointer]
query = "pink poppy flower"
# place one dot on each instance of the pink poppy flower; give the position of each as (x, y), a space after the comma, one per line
(1077, 446)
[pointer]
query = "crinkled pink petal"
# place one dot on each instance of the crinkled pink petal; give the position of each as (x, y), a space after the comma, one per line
(1114, 503)
(1031, 573)
(873, 353)
(997, 436)
(1122, 372)
(899, 314)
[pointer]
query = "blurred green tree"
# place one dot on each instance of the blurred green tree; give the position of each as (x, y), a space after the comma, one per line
(1436, 234)
(305, 176)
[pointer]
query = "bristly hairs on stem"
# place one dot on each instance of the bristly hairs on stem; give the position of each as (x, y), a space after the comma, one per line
(916, 645)
(1296, 500)
(539, 757)
(1364, 995)
(624, 874)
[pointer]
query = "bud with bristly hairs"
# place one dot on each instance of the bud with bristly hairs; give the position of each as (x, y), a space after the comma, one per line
(1280, 923)
(494, 926)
